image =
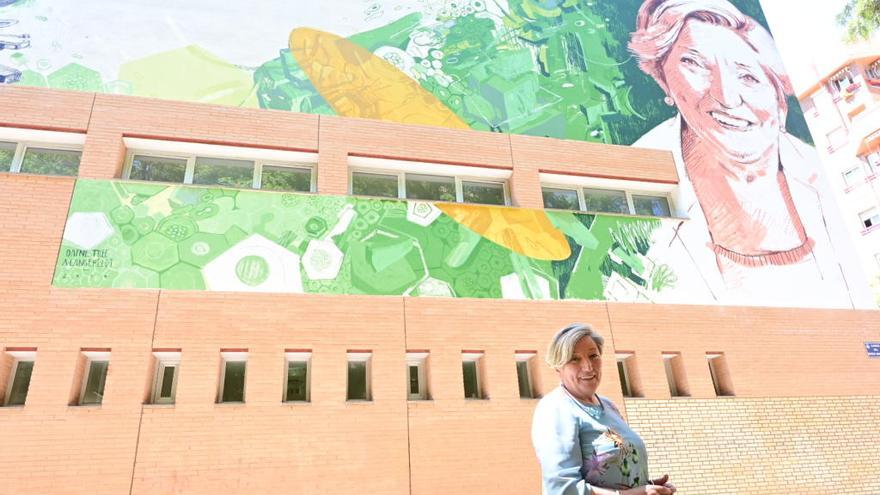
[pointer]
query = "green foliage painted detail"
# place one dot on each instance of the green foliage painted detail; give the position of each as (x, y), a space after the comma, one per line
(143, 235)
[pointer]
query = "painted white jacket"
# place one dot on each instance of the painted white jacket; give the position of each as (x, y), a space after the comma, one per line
(830, 277)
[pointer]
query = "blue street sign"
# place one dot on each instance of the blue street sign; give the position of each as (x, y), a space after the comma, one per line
(873, 349)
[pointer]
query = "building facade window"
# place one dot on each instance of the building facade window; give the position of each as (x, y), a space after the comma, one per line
(358, 386)
(854, 176)
(627, 372)
(217, 165)
(472, 371)
(21, 370)
(720, 374)
(869, 218)
(427, 181)
(40, 158)
(297, 386)
(525, 374)
(675, 375)
(164, 388)
(97, 363)
(233, 376)
(594, 200)
(417, 375)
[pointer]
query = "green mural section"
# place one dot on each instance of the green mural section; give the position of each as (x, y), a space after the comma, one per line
(557, 68)
(142, 235)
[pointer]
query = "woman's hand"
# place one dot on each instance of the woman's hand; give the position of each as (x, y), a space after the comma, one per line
(660, 486)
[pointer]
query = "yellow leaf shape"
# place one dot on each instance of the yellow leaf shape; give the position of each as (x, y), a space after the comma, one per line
(527, 232)
(357, 83)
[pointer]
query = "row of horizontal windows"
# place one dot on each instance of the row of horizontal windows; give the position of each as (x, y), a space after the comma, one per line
(275, 175)
(297, 382)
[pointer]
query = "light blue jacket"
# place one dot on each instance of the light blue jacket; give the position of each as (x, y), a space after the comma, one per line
(581, 446)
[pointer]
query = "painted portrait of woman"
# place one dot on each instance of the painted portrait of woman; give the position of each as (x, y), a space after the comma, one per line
(759, 216)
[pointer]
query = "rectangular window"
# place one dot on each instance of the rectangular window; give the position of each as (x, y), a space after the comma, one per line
(388, 178)
(283, 178)
(655, 206)
(296, 381)
(854, 176)
(20, 377)
(223, 172)
(870, 218)
(155, 168)
(233, 376)
(596, 200)
(95, 376)
(358, 376)
(430, 187)
(605, 201)
(674, 366)
(525, 374)
(471, 364)
(48, 161)
(165, 380)
(416, 375)
(379, 185)
(7, 155)
(487, 193)
(720, 374)
(218, 165)
(630, 384)
(560, 199)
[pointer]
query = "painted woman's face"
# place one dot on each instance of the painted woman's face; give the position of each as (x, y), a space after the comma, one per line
(723, 94)
(581, 376)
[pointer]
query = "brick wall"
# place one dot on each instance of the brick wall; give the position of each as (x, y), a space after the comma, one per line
(780, 360)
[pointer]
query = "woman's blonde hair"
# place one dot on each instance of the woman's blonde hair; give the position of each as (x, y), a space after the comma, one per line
(561, 347)
(660, 22)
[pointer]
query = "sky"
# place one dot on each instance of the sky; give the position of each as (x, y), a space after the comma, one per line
(809, 39)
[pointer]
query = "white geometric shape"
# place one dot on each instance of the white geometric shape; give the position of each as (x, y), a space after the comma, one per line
(512, 287)
(88, 230)
(322, 260)
(422, 213)
(277, 268)
(434, 287)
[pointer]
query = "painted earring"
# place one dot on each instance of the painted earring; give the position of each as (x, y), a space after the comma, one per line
(668, 100)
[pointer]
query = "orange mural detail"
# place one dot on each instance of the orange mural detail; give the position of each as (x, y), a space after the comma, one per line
(357, 83)
(527, 232)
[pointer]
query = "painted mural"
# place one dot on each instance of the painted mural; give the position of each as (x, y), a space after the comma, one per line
(142, 235)
(700, 78)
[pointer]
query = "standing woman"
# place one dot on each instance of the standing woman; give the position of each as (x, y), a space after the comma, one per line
(584, 445)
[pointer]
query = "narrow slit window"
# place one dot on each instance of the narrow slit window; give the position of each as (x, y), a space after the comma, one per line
(165, 380)
(525, 374)
(296, 383)
(675, 376)
(233, 377)
(358, 388)
(95, 378)
(471, 364)
(630, 383)
(20, 377)
(720, 374)
(416, 375)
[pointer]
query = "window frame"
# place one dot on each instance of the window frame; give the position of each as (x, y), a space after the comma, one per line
(165, 360)
(875, 212)
(676, 376)
(477, 359)
(17, 357)
(527, 358)
(367, 358)
(297, 357)
(232, 357)
(21, 147)
(582, 201)
(420, 360)
(93, 357)
(401, 184)
(189, 171)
